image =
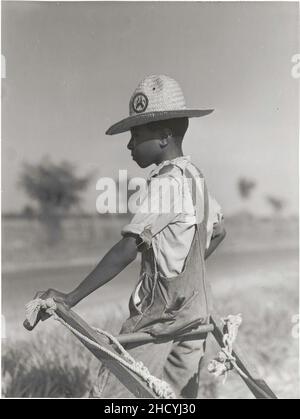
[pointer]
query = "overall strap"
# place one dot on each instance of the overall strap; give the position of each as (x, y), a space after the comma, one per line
(199, 193)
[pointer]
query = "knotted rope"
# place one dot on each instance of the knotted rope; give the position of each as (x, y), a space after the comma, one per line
(225, 361)
(160, 387)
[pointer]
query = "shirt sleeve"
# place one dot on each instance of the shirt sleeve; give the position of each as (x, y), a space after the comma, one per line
(157, 209)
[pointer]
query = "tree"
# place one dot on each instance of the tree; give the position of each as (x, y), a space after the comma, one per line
(56, 189)
(245, 187)
(28, 212)
(277, 204)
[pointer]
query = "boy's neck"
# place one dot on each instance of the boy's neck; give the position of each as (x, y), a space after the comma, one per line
(169, 155)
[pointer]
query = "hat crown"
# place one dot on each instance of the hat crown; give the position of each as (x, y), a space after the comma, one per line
(156, 93)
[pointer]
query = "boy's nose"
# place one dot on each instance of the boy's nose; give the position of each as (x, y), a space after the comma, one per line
(130, 145)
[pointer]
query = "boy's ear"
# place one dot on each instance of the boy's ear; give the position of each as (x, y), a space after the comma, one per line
(163, 142)
(167, 135)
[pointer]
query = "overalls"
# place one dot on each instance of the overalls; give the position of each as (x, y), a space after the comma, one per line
(170, 305)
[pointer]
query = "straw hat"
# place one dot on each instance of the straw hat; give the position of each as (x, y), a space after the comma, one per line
(157, 97)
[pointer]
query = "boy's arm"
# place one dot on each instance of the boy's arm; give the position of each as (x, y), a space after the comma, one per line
(217, 238)
(118, 257)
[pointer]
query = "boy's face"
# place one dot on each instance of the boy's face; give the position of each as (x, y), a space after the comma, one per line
(144, 145)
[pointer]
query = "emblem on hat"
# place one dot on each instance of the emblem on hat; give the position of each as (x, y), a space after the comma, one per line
(139, 102)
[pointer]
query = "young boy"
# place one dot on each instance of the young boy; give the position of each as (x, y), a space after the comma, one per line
(172, 294)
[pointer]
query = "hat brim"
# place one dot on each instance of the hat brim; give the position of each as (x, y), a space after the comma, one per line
(147, 117)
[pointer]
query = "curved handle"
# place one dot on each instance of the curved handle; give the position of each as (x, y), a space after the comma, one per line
(27, 325)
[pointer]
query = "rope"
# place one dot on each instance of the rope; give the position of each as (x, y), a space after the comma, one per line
(160, 387)
(225, 361)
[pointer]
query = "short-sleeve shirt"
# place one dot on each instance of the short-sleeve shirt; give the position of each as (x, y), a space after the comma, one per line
(171, 230)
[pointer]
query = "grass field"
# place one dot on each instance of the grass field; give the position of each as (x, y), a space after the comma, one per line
(255, 273)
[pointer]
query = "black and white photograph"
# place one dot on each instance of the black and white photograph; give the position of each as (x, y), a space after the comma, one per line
(150, 202)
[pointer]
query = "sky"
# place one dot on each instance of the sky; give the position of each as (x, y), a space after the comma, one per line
(72, 67)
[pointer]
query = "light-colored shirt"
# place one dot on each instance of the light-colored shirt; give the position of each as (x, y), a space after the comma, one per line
(167, 226)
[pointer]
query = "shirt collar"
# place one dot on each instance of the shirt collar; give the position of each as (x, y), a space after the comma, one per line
(180, 162)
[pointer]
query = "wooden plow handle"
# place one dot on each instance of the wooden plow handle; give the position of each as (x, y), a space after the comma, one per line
(28, 326)
(132, 381)
(128, 378)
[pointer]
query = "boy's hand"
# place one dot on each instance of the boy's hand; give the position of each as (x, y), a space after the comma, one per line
(57, 296)
(218, 235)
(218, 228)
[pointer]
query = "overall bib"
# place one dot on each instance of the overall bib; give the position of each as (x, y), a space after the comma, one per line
(168, 306)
